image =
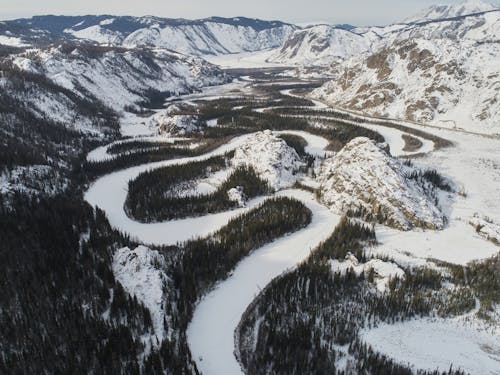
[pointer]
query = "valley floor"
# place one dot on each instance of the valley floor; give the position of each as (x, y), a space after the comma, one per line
(472, 163)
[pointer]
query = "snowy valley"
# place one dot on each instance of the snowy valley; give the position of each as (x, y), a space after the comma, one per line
(233, 195)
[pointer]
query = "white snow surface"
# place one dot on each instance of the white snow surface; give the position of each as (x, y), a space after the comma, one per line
(437, 344)
(320, 45)
(120, 77)
(258, 59)
(211, 331)
(486, 227)
(97, 34)
(443, 73)
(362, 175)
(140, 273)
(383, 271)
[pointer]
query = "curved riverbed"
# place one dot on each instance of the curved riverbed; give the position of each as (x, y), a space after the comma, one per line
(211, 331)
(210, 334)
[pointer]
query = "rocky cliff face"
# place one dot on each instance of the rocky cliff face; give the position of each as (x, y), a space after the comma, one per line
(442, 72)
(271, 158)
(364, 180)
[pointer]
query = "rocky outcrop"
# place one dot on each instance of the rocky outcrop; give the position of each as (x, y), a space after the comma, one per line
(271, 158)
(364, 180)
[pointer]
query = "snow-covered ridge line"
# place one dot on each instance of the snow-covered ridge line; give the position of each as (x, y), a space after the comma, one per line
(214, 35)
(320, 45)
(121, 79)
(446, 12)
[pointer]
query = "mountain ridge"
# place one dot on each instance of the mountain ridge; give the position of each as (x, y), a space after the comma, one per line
(212, 35)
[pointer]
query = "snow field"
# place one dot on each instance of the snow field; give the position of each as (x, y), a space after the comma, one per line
(437, 344)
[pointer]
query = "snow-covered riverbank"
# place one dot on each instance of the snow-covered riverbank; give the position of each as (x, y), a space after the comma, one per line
(472, 164)
(211, 332)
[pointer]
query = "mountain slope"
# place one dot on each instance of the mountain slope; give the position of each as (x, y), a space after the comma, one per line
(442, 72)
(56, 102)
(450, 11)
(212, 36)
(321, 45)
(120, 77)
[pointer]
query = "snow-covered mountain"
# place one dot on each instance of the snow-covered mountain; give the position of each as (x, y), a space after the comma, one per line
(212, 36)
(364, 179)
(322, 45)
(451, 10)
(54, 100)
(443, 72)
(119, 77)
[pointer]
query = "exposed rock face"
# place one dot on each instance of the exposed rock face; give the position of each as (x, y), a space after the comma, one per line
(444, 72)
(271, 158)
(168, 121)
(362, 178)
(140, 272)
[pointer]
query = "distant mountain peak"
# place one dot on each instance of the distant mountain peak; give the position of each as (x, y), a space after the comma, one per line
(444, 11)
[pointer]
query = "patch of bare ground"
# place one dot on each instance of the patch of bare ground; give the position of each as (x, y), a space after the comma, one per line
(411, 143)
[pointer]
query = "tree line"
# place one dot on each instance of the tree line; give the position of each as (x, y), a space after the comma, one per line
(309, 319)
(149, 201)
